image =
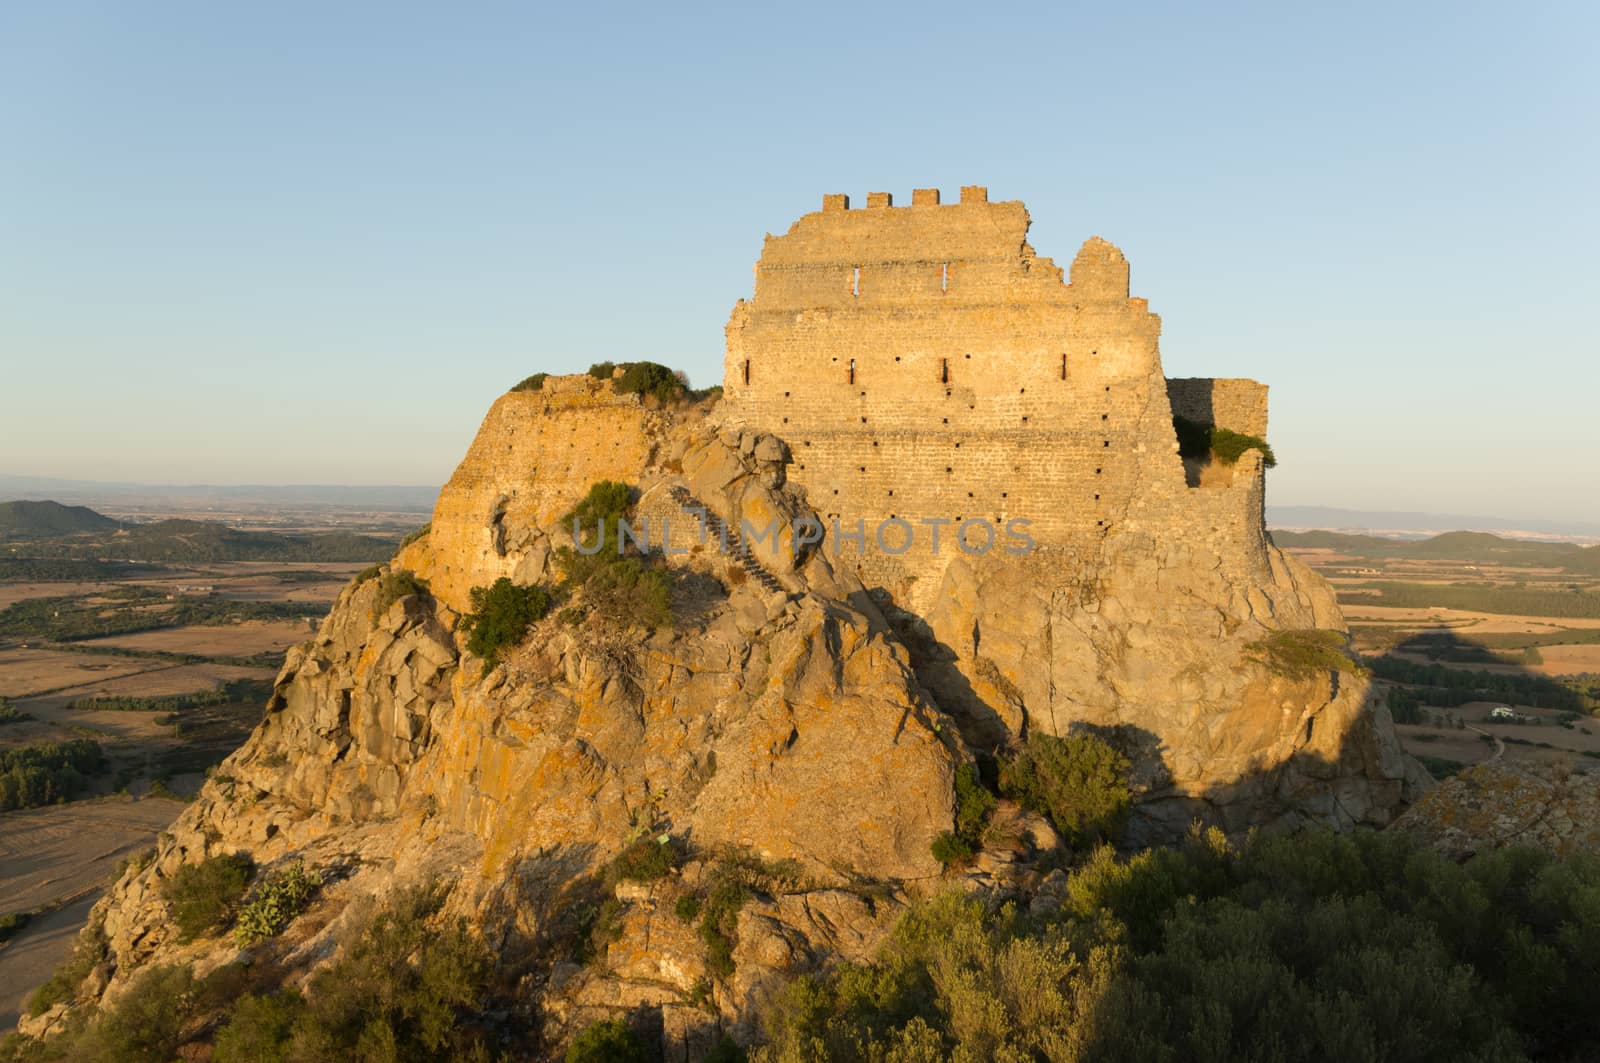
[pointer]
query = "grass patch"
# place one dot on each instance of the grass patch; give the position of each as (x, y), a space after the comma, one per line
(1303, 653)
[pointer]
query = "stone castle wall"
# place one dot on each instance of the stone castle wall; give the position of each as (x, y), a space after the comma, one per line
(924, 363)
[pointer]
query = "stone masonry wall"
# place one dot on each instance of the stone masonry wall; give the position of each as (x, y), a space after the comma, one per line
(923, 362)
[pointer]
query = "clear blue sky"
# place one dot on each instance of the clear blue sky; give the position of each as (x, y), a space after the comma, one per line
(311, 242)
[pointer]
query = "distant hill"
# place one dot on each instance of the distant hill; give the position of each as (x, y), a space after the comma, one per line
(55, 532)
(1418, 525)
(33, 520)
(196, 540)
(1476, 547)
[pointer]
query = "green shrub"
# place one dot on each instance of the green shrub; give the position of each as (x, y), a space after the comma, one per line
(202, 896)
(414, 536)
(626, 590)
(733, 879)
(646, 860)
(1316, 946)
(146, 1025)
(1303, 653)
(610, 1041)
(402, 990)
(651, 379)
(621, 589)
(500, 617)
(1079, 782)
(260, 1029)
(602, 370)
(687, 908)
(398, 584)
(974, 804)
(952, 848)
(12, 922)
(594, 519)
(9, 713)
(725, 1051)
(1228, 447)
(280, 897)
(371, 572)
(531, 383)
(1197, 441)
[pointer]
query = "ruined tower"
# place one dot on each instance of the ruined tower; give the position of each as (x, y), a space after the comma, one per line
(925, 365)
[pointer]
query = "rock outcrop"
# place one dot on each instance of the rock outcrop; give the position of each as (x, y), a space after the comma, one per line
(1496, 805)
(815, 726)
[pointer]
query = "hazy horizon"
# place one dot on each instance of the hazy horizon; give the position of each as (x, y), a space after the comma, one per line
(303, 245)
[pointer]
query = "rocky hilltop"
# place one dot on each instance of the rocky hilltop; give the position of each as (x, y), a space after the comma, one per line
(788, 719)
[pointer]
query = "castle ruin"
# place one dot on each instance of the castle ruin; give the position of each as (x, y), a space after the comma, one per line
(925, 364)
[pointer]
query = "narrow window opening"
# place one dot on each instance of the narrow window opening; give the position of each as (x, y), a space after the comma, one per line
(944, 277)
(852, 370)
(1063, 367)
(1105, 442)
(747, 372)
(855, 281)
(944, 370)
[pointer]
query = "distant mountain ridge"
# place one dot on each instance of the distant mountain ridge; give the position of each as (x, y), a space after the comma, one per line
(377, 496)
(1419, 525)
(1479, 547)
(52, 530)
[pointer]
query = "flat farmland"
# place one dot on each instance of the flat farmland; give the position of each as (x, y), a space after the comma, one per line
(1446, 666)
(28, 671)
(54, 863)
(243, 639)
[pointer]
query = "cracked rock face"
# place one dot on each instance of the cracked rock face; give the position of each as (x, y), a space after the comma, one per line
(1148, 644)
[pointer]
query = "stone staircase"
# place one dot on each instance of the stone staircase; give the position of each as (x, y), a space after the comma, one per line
(717, 529)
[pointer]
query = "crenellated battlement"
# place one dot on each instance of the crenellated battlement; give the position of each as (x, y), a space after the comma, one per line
(971, 195)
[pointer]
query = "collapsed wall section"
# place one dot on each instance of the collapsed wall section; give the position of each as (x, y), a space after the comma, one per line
(535, 455)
